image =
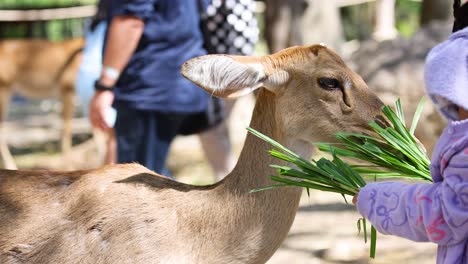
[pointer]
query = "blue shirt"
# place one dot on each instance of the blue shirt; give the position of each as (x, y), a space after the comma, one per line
(152, 79)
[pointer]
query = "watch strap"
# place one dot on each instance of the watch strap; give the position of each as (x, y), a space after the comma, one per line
(99, 86)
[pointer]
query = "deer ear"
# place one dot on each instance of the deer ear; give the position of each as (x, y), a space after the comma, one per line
(226, 76)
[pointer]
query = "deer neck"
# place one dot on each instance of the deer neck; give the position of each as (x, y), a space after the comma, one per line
(252, 170)
(264, 217)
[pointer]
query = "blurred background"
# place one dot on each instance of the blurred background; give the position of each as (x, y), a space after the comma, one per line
(385, 41)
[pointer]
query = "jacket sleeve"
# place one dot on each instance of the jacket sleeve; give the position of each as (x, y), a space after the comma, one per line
(435, 212)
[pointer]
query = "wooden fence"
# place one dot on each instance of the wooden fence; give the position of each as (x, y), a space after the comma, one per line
(35, 22)
(47, 14)
(50, 23)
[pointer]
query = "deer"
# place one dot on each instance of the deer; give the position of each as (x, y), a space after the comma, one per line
(38, 68)
(125, 213)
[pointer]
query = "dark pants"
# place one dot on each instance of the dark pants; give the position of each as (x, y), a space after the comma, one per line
(145, 136)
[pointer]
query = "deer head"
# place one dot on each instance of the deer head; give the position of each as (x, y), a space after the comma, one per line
(316, 94)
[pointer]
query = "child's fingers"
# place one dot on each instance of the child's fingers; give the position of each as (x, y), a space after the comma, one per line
(355, 197)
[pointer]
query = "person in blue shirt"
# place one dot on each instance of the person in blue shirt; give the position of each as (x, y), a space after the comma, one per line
(147, 42)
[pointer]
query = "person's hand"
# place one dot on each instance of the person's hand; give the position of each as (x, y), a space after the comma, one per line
(355, 199)
(462, 113)
(101, 101)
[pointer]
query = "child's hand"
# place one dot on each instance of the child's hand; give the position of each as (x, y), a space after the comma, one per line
(462, 114)
(355, 198)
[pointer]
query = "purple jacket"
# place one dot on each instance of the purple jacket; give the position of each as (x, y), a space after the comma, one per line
(435, 212)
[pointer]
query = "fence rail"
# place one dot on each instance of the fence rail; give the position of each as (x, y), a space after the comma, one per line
(344, 3)
(90, 10)
(47, 14)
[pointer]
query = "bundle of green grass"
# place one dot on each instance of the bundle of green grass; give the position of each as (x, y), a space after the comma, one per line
(393, 153)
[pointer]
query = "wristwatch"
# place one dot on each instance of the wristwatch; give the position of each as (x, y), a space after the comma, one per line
(99, 86)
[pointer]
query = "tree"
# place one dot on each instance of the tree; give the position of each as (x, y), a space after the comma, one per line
(435, 10)
(283, 23)
(322, 24)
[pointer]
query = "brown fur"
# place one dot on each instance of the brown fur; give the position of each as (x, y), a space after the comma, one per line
(38, 69)
(128, 214)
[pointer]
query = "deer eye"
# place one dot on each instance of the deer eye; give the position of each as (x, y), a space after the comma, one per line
(329, 83)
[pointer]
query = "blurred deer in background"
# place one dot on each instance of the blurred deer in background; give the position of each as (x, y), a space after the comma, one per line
(128, 214)
(38, 69)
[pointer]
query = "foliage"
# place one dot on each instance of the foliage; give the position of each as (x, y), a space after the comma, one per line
(407, 14)
(55, 30)
(395, 153)
(358, 20)
(37, 4)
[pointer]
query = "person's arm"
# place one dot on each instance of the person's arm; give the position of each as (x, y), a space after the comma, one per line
(435, 212)
(122, 39)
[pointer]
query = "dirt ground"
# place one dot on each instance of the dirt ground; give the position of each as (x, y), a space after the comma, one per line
(324, 230)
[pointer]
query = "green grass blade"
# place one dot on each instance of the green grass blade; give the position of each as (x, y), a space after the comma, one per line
(417, 114)
(358, 223)
(272, 142)
(267, 188)
(373, 244)
(323, 180)
(313, 186)
(364, 225)
(399, 110)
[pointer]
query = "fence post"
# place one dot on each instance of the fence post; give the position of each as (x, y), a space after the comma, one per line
(385, 20)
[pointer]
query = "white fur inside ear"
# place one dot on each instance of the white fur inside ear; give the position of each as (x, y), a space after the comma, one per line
(219, 72)
(276, 79)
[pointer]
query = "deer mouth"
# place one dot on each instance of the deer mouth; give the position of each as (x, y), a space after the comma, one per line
(382, 121)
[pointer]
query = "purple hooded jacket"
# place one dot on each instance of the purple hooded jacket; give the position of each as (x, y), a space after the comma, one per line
(436, 212)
